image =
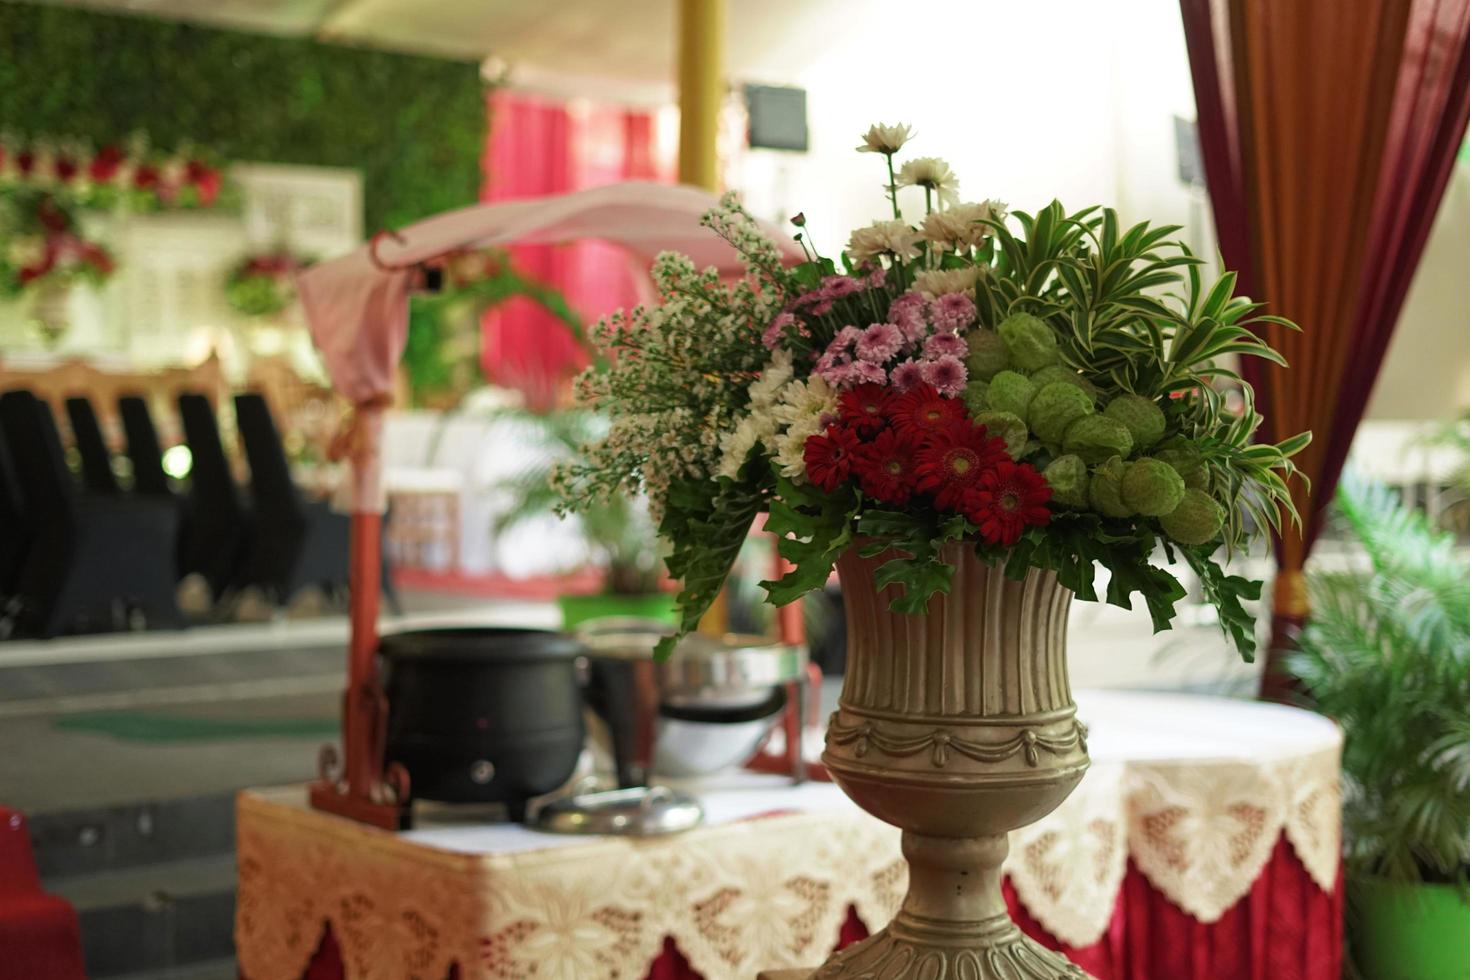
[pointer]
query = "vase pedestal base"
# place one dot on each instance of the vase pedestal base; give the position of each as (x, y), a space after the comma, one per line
(953, 924)
(890, 953)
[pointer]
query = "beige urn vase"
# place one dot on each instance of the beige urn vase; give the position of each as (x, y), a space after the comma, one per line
(957, 726)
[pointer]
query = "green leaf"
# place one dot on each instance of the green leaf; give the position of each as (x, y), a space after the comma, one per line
(707, 523)
(813, 529)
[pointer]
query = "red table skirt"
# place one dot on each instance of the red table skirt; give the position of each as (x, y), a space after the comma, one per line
(1285, 929)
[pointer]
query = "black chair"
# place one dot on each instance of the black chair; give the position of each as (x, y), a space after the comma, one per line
(218, 523)
(296, 542)
(97, 475)
(15, 537)
(90, 555)
(144, 450)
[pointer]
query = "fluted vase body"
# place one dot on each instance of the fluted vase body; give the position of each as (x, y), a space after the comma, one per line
(957, 726)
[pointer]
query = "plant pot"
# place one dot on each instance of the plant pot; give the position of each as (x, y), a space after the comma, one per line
(655, 606)
(957, 726)
(483, 715)
(1410, 932)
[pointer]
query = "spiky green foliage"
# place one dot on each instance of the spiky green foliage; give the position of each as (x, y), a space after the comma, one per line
(1134, 317)
(1387, 654)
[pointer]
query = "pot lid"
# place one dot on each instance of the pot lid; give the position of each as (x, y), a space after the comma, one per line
(643, 811)
(477, 644)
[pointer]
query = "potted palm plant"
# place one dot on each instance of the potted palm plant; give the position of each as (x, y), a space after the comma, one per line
(1387, 654)
(620, 538)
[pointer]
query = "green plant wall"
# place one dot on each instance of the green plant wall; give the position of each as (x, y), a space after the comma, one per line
(414, 126)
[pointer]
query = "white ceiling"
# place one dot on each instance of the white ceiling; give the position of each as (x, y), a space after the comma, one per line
(626, 41)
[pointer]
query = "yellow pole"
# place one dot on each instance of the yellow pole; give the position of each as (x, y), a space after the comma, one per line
(701, 90)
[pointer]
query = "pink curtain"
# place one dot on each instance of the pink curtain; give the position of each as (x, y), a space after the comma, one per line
(539, 146)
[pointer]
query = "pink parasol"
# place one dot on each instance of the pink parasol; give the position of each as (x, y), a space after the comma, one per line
(357, 309)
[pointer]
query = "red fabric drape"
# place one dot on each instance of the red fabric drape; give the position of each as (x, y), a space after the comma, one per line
(538, 146)
(1285, 929)
(1328, 132)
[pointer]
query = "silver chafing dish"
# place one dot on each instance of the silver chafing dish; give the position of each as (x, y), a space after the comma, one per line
(707, 708)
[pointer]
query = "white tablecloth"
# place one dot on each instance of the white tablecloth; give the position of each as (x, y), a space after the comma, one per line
(1197, 791)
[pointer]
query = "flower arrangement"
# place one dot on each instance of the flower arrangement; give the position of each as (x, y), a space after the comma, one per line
(45, 246)
(132, 176)
(263, 284)
(1045, 387)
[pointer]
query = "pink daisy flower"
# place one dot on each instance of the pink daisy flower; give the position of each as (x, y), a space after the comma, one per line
(866, 372)
(908, 374)
(772, 337)
(879, 342)
(942, 344)
(947, 374)
(953, 311)
(836, 287)
(908, 301)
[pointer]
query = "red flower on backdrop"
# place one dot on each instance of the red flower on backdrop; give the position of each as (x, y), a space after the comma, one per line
(954, 459)
(204, 179)
(98, 258)
(66, 168)
(25, 162)
(145, 177)
(105, 164)
(1008, 498)
(886, 468)
(865, 408)
(829, 457)
(922, 412)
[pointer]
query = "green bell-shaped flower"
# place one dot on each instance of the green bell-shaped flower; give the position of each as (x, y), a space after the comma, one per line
(1031, 343)
(1152, 487)
(1197, 519)
(1055, 408)
(1096, 437)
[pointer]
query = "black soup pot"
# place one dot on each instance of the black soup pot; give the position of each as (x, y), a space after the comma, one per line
(483, 714)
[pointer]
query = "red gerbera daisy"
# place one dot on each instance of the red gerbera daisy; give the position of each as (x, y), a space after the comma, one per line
(954, 459)
(828, 457)
(921, 412)
(1008, 498)
(865, 408)
(886, 468)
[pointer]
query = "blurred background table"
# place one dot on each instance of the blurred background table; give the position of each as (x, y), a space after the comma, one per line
(1203, 844)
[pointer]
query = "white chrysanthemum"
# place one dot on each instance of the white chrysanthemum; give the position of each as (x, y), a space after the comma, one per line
(933, 173)
(803, 400)
(766, 389)
(961, 227)
(890, 237)
(791, 449)
(885, 139)
(934, 283)
(736, 445)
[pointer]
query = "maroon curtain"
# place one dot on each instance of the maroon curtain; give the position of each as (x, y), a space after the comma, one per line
(1329, 130)
(1431, 109)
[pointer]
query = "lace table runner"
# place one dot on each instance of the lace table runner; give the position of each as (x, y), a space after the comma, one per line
(1196, 792)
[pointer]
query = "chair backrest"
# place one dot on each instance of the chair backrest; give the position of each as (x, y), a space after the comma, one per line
(211, 485)
(143, 448)
(97, 475)
(46, 485)
(14, 531)
(271, 487)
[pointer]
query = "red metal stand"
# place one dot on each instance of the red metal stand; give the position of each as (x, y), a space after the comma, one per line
(358, 785)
